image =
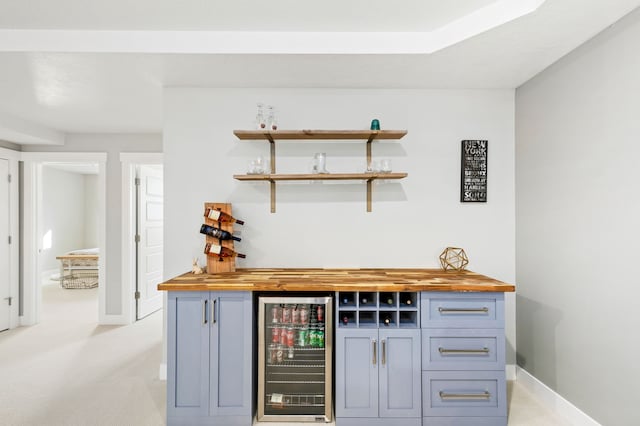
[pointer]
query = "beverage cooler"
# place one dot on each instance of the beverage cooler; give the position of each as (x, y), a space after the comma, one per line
(294, 359)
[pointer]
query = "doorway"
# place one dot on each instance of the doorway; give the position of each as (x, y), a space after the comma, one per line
(148, 238)
(5, 270)
(69, 255)
(41, 239)
(142, 233)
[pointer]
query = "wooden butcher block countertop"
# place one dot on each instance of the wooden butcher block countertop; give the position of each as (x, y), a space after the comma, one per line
(337, 280)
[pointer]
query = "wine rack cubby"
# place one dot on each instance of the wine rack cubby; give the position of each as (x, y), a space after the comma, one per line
(365, 309)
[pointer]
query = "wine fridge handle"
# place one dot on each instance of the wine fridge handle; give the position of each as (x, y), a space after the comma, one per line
(383, 361)
(204, 312)
(213, 311)
(375, 352)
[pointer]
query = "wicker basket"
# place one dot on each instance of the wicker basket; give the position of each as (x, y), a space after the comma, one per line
(78, 280)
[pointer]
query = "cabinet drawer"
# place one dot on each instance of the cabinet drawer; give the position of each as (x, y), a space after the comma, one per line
(463, 349)
(463, 393)
(464, 421)
(462, 310)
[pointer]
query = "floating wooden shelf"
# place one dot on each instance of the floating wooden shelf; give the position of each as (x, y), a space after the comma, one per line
(368, 135)
(322, 176)
(302, 135)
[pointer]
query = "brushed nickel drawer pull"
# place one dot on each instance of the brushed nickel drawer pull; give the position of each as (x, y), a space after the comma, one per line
(463, 310)
(375, 350)
(204, 312)
(445, 351)
(457, 396)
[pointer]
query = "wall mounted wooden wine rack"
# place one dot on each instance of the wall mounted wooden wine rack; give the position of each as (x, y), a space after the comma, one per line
(222, 264)
(335, 135)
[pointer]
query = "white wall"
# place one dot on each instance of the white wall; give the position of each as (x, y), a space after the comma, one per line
(62, 214)
(325, 224)
(577, 225)
(90, 211)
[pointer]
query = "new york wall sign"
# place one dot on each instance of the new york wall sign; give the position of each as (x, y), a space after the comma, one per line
(473, 179)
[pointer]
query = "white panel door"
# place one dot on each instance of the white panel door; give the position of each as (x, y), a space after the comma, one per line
(5, 311)
(150, 235)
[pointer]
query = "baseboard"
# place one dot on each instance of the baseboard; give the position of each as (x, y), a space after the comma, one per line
(510, 371)
(113, 320)
(162, 374)
(553, 400)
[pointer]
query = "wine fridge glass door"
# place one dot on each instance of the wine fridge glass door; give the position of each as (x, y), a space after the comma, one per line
(294, 369)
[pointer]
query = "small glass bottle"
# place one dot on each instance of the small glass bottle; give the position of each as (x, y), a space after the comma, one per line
(271, 118)
(261, 123)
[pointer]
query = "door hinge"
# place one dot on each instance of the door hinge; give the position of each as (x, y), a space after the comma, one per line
(137, 238)
(137, 295)
(137, 181)
(9, 178)
(9, 239)
(8, 299)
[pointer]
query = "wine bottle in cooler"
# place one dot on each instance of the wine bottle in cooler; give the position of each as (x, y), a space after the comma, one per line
(219, 251)
(214, 232)
(219, 216)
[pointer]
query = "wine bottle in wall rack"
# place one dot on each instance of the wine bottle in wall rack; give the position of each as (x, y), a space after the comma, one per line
(221, 252)
(214, 232)
(219, 216)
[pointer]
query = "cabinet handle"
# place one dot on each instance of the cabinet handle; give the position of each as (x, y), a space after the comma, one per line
(204, 312)
(456, 396)
(445, 351)
(213, 311)
(375, 350)
(384, 351)
(463, 310)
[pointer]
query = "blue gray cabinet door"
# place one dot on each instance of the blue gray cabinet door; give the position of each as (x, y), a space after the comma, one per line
(210, 358)
(231, 354)
(188, 354)
(356, 373)
(398, 371)
(378, 373)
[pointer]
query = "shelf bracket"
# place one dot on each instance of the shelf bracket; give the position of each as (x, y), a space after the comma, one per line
(273, 195)
(272, 153)
(369, 189)
(372, 136)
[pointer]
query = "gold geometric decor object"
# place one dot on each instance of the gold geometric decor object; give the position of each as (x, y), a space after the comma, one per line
(454, 258)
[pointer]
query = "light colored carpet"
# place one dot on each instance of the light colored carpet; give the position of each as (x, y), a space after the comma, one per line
(69, 371)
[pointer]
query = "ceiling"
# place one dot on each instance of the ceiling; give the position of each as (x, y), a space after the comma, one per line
(89, 66)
